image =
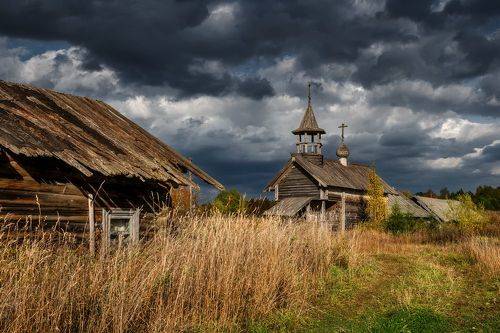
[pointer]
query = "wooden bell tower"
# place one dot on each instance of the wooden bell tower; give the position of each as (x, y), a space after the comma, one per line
(309, 133)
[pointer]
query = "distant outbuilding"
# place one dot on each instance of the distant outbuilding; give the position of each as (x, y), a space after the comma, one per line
(439, 209)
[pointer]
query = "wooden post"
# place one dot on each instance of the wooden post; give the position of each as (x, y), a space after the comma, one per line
(105, 232)
(91, 225)
(342, 212)
(322, 217)
(120, 240)
(190, 190)
(276, 192)
(134, 228)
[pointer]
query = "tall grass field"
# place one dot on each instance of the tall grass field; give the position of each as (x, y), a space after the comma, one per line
(246, 274)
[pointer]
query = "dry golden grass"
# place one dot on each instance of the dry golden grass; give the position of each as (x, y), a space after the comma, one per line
(216, 274)
(208, 273)
(486, 251)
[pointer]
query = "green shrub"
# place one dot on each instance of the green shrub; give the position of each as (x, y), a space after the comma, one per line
(468, 216)
(230, 202)
(399, 222)
(376, 206)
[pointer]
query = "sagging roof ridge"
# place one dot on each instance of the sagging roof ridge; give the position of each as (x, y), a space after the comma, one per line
(87, 134)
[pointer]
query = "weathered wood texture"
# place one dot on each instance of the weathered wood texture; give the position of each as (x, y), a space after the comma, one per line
(297, 183)
(354, 211)
(52, 203)
(288, 206)
(316, 159)
(353, 177)
(88, 135)
(54, 197)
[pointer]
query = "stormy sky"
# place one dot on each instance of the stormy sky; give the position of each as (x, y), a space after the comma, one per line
(224, 82)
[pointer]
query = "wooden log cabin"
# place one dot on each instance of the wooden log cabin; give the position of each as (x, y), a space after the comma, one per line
(76, 164)
(316, 188)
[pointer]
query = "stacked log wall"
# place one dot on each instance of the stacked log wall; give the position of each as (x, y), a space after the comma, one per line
(297, 184)
(24, 202)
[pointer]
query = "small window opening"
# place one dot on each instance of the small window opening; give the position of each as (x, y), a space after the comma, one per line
(120, 227)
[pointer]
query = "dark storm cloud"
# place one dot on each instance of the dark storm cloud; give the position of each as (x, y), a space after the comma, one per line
(455, 10)
(414, 10)
(491, 153)
(477, 9)
(157, 42)
(145, 41)
(403, 138)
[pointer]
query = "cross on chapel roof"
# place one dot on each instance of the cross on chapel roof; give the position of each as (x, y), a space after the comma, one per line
(342, 127)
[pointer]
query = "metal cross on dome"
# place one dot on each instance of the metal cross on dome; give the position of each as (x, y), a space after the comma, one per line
(342, 127)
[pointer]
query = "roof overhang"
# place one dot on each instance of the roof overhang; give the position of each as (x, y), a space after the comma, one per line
(288, 207)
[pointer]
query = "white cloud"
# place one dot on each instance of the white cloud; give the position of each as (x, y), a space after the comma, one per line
(61, 70)
(221, 20)
(445, 163)
(463, 130)
(469, 158)
(136, 107)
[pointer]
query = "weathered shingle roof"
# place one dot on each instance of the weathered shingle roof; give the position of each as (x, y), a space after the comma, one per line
(439, 208)
(308, 123)
(406, 206)
(87, 134)
(334, 174)
(288, 206)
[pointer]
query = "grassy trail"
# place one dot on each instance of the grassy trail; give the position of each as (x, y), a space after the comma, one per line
(414, 288)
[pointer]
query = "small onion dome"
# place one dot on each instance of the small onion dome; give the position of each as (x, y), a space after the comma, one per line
(343, 151)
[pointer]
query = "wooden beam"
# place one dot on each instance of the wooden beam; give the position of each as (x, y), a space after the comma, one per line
(91, 225)
(342, 212)
(349, 196)
(19, 169)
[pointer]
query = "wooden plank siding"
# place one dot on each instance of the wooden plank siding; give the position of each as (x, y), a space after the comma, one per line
(27, 199)
(297, 183)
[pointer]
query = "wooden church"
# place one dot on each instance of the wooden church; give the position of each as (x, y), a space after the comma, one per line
(317, 188)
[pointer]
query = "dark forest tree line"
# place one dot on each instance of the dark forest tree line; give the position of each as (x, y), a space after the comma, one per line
(487, 196)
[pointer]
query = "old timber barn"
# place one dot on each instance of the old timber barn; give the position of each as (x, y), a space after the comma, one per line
(316, 188)
(76, 164)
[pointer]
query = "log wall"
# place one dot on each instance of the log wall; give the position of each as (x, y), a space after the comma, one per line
(32, 199)
(28, 200)
(297, 184)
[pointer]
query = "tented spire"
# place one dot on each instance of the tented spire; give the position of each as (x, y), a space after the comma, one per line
(309, 123)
